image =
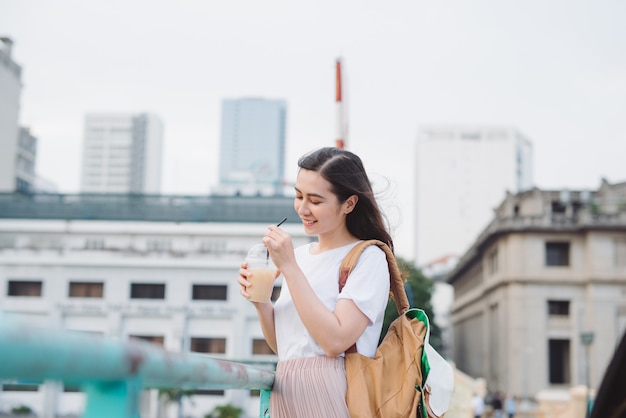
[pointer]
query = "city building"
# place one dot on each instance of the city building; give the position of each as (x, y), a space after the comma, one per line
(462, 173)
(11, 88)
(122, 153)
(26, 178)
(442, 297)
(158, 268)
(540, 296)
(18, 146)
(252, 146)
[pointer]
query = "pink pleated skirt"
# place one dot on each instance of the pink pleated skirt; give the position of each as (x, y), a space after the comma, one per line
(310, 387)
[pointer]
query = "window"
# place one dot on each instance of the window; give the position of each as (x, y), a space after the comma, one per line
(7, 242)
(147, 291)
(492, 262)
(558, 308)
(620, 252)
(471, 136)
(559, 360)
(153, 339)
(209, 292)
(558, 207)
(20, 388)
(259, 346)
(208, 345)
(94, 244)
(159, 245)
(86, 290)
(24, 288)
(557, 253)
(214, 392)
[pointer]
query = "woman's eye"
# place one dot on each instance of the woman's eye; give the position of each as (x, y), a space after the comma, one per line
(315, 203)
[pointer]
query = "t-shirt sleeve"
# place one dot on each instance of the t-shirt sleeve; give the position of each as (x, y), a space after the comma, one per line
(368, 283)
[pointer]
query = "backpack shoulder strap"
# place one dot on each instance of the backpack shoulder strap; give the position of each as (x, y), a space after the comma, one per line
(396, 282)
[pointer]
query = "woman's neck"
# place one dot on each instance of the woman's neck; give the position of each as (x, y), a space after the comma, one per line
(328, 243)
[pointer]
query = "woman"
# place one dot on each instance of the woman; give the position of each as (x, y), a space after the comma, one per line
(312, 324)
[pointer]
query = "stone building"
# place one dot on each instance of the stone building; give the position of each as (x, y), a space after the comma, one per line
(540, 296)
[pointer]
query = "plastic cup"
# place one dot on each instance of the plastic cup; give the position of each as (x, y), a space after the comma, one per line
(262, 274)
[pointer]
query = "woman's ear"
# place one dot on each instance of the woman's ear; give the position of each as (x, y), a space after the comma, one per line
(350, 204)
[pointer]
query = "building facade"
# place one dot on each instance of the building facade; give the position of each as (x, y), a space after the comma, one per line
(26, 160)
(11, 88)
(122, 153)
(462, 173)
(252, 146)
(161, 269)
(540, 297)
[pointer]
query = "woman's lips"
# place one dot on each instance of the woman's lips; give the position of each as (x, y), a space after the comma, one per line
(308, 222)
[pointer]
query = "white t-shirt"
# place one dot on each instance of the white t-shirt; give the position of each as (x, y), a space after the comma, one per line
(367, 287)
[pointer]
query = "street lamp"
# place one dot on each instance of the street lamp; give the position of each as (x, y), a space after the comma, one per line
(586, 339)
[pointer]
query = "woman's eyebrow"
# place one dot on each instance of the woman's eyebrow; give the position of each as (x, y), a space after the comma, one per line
(310, 194)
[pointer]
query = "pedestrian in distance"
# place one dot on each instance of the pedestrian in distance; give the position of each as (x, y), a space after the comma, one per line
(312, 324)
(478, 405)
(497, 405)
(510, 405)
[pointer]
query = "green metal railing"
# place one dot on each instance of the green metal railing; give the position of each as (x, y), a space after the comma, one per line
(113, 373)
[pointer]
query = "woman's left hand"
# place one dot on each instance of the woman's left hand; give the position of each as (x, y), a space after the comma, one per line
(280, 247)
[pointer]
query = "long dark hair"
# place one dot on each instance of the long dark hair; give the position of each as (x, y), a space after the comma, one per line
(346, 174)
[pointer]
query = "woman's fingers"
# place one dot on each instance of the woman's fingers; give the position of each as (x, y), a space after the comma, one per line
(243, 281)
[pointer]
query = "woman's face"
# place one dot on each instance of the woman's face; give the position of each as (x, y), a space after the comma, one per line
(318, 207)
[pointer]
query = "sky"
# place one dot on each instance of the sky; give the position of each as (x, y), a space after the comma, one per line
(555, 70)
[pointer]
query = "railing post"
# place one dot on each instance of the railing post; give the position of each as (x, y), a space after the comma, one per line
(113, 399)
(265, 403)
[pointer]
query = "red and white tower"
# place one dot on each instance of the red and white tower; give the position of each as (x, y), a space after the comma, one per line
(340, 131)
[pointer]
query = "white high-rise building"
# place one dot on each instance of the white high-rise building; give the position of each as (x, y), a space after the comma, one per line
(10, 90)
(252, 147)
(122, 153)
(463, 172)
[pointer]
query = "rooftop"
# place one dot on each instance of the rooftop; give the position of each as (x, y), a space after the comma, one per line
(151, 208)
(565, 211)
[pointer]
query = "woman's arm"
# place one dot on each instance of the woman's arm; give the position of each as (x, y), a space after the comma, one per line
(335, 331)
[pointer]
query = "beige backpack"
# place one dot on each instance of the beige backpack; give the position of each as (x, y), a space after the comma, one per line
(406, 376)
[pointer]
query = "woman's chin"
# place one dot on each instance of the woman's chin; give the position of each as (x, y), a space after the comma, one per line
(309, 228)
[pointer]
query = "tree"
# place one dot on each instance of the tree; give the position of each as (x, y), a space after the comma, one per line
(21, 410)
(175, 395)
(419, 291)
(225, 411)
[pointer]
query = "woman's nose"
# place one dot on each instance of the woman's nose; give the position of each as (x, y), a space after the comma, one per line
(303, 209)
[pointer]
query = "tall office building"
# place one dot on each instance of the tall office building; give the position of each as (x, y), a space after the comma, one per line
(252, 148)
(10, 90)
(122, 153)
(463, 172)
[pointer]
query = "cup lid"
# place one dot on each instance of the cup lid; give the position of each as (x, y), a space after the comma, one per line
(256, 252)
